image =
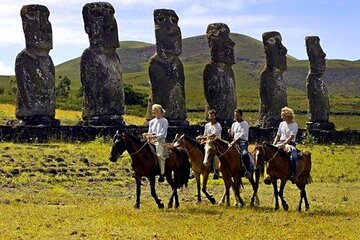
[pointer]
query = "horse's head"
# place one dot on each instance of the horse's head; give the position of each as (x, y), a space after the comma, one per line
(118, 147)
(210, 151)
(260, 154)
(179, 140)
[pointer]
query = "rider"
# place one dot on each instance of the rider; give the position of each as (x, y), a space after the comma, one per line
(239, 132)
(157, 134)
(212, 128)
(286, 137)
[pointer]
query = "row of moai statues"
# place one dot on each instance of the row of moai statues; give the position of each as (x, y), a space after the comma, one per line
(101, 72)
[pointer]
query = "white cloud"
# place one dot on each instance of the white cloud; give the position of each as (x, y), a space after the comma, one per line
(6, 70)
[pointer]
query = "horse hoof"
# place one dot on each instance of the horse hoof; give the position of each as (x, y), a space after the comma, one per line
(307, 207)
(299, 209)
(286, 207)
(170, 205)
(212, 200)
(161, 206)
(177, 206)
(252, 204)
(276, 208)
(137, 206)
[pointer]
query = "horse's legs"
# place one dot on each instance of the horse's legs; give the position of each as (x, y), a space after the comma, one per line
(257, 180)
(197, 178)
(153, 192)
(227, 181)
(255, 187)
(171, 183)
(204, 183)
(281, 194)
(307, 206)
(236, 186)
(274, 183)
(222, 199)
(138, 191)
(301, 198)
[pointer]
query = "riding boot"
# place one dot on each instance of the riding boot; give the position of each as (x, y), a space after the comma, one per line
(247, 166)
(162, 168)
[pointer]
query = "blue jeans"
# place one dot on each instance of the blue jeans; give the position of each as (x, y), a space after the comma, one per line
(293, 159)
(245, 155)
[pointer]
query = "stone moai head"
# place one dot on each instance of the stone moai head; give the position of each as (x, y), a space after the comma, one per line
(316, 55)
(37, 28)
(275, 52)
(100, 24)
(167, 33)
(222, 47)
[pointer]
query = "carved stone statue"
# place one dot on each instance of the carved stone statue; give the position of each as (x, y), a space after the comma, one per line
(166, 71)
(218, 76)
(319, 106)
(34, 69)
(101, 72)
(273, 94)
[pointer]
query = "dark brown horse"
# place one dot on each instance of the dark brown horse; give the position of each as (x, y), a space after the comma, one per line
(277, 164)
(231, 168)
(144, 163)
(196, 153)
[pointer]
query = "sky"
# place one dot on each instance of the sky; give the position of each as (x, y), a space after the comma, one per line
(335, 22)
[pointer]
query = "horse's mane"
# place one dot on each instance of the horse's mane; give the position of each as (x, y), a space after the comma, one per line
(133, 138)
(275, 148)
(196, 143)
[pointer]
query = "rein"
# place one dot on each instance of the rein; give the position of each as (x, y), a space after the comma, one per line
(273, 156)
(132, 154)
(222, 154)
(192, 148)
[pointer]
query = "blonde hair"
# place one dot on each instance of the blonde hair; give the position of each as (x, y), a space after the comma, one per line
(158, 107)
(288, 112)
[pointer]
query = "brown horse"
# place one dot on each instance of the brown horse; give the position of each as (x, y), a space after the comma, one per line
(196, 153)
(277, 164)
(144, 163)
(231, 168)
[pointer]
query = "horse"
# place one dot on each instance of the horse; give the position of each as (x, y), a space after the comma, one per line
(231, 169)
(196, 153)
(277, 163)
(144, 163)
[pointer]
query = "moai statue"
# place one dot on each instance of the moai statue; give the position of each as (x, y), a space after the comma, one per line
(100, 67)
(35, 71)
(273, 96)
(319, 106)
(218, 75)
(166, 71)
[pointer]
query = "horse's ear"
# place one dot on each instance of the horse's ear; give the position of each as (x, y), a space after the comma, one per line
(183, 135)
(176, 136)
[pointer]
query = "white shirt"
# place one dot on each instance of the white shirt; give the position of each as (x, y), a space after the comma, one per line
(240, 130)
(158, 127)
(213, 129)
(286, 130)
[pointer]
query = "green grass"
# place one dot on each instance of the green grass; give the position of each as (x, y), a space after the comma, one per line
(94, 200)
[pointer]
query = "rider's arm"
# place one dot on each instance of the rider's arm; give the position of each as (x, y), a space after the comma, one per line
(276, 140)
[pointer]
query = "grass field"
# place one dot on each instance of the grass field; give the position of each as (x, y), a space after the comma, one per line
(69, 117)
(72, 191)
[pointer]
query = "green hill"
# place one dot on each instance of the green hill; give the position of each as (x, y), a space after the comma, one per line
(341, 77)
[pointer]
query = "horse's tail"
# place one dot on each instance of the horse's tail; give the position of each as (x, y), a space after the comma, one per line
(184, 168)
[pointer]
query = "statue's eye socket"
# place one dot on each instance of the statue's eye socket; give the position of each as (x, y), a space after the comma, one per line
(173, 20)
(271, 41)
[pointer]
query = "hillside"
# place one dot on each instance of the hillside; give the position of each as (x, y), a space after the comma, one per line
(341, 77)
